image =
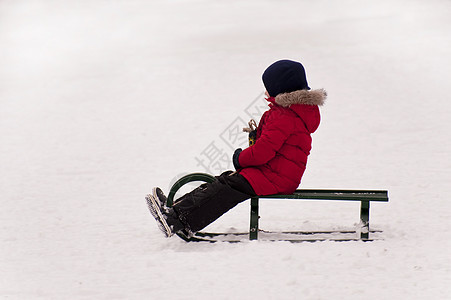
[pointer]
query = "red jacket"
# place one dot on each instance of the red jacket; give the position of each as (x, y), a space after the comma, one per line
(276, 162)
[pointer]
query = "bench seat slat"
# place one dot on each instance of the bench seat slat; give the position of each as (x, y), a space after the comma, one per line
(349, 195)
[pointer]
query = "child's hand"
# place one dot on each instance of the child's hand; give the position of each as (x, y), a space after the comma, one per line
(252, 131)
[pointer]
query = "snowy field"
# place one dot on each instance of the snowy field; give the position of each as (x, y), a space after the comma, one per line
(102, 100)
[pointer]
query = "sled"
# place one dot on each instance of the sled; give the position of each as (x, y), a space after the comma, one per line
(362, 233)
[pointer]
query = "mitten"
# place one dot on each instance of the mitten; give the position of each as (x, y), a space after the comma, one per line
(252, 131)
(235, 157)
(252, 137)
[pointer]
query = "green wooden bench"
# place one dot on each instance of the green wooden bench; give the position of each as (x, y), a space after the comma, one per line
(364, 196)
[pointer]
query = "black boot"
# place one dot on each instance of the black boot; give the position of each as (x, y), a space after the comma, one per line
(173, 220)
(170, 215)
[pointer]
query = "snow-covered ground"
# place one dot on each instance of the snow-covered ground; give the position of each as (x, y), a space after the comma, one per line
(102, 100)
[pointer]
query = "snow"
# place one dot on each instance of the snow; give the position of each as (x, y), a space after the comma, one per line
(100, 101)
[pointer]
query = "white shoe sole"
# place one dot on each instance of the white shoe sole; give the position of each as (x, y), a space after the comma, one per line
(155, 210)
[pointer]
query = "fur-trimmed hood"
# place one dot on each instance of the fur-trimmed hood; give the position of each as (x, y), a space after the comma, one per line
(305, 104)
(312, 97)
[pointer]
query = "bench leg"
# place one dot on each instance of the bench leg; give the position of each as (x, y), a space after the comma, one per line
(253, 230)
(365, 219)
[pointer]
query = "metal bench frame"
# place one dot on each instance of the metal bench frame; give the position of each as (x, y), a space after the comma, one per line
(364, 196)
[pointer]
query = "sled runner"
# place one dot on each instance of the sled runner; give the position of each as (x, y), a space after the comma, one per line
(362, 233)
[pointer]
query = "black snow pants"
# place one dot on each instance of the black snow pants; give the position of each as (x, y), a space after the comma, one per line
(208, 202)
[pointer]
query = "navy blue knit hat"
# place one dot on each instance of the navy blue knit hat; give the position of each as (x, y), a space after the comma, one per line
(285, 76)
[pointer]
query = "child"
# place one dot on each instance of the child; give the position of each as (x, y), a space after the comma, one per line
(274, 164)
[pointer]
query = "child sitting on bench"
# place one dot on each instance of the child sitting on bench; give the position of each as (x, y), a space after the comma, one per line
(274, 164)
